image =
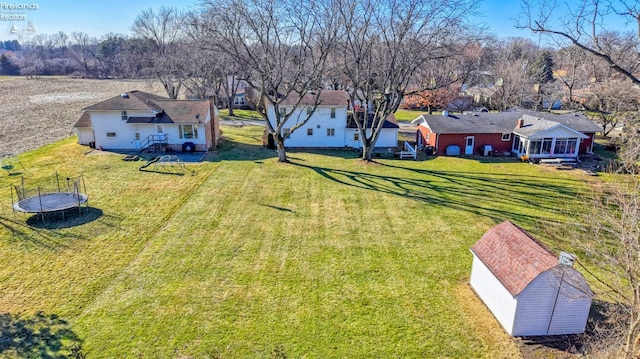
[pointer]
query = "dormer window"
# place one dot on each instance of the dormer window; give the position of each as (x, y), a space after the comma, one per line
(124, 115)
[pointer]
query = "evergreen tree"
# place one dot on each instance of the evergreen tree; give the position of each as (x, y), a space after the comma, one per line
(541, 70)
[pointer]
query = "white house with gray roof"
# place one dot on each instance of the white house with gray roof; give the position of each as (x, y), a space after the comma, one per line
(138, 120)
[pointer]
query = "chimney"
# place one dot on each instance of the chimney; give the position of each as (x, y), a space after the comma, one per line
(520, 123)
(566, 259)
(215, 122)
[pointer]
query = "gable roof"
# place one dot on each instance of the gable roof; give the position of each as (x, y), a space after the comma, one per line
(84, 120)
(513, 256)
(128, 101)
(336, 98)
(575, 120)
(162, 109)
(537, 127)
(500, 122)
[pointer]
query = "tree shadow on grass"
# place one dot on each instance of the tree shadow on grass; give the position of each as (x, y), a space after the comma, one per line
(39, 336)
(230, 150)
(523, 199)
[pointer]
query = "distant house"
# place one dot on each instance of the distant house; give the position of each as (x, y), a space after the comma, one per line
(529, 290)
(137, 120)
(330, 125)
(521, 133)
(480, 94)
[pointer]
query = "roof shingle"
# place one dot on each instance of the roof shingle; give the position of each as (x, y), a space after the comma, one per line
(513, 256)
(501, 122)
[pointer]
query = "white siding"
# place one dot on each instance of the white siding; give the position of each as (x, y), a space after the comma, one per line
(558, 132)
(85, 135)
(111, 121)
(319, 122)
(536, 306)
(388, 138)
(494, 295)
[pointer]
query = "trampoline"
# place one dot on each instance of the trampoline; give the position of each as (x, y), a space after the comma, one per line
(55, 194)
(50, 202)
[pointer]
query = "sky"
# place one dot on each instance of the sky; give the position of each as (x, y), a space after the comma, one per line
(100, 17)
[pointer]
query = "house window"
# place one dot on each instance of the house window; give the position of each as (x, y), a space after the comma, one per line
(565, 146)
(160, 128)
(506, 136)
(283, 111)
(286, 133)
(188, 132)
(309, 110)
(356, 136)
(309, 131)
(136, 136)
(331, 131)
(111, 134)
(124, 115)
(540, 147)
(333, 112)
(239, 100)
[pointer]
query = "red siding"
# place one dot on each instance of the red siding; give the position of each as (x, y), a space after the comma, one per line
(441, 141)
(493, 139)
(428, 137)
(585, 145)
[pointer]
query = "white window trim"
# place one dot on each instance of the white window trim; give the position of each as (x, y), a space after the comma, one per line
(508, 137)
(194, 132)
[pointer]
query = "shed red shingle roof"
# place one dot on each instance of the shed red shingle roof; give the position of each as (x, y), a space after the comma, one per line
(513, 256)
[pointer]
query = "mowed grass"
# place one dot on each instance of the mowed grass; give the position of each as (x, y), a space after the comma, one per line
(324, 257)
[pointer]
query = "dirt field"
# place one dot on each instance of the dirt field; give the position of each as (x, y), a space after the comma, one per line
(36, 112)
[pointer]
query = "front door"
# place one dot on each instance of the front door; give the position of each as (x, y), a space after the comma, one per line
(468, 148)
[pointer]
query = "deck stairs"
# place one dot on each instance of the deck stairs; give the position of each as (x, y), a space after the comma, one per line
(154, 143)
(408, 152)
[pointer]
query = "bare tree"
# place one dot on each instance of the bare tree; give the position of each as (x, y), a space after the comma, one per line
(82, 49)
(393, 48)
(582, 25)
(164, 31)
(282, 46)
(509, 64)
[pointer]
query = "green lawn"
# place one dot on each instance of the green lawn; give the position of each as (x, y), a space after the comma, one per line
(240, 114)
(324, 257)
(408, 115)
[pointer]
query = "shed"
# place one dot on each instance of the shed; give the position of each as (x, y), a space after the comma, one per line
(528, 289)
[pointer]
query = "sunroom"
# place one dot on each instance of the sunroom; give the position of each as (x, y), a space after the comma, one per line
(546, 139)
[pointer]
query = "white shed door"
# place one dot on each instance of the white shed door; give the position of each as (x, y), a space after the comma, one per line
(468, 148)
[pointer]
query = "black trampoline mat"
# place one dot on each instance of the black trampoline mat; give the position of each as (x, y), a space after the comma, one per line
(50, 202)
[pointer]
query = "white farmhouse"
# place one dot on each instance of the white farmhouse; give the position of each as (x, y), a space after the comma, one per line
(331, 125)
(138, 120)
(526, 287)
